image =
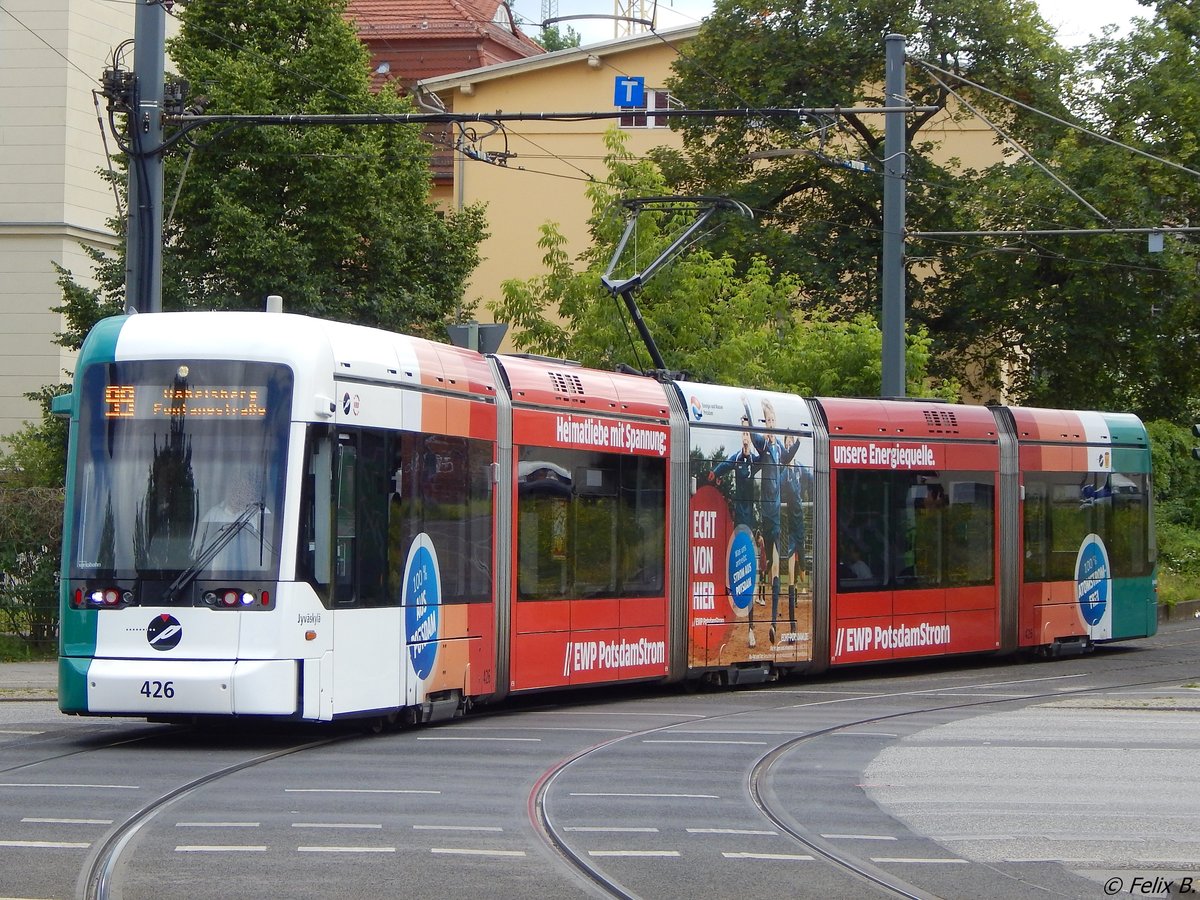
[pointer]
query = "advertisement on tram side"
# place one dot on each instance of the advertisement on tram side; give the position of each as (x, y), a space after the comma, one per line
(914, 555)
(750, 523)
(590, 524)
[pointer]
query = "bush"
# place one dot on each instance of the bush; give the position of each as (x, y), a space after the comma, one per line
(1176, 511)
(30, 549)
(1178, 562)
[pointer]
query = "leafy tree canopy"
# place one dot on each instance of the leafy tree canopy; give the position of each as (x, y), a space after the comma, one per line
(1057, 320)
(335, 219)
(708, 317)
(1095, 320)
(816, 217)
(553, 39)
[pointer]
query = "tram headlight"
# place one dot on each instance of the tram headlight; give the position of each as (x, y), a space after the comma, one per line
(236, 598)
(231, 597)
(103, 598)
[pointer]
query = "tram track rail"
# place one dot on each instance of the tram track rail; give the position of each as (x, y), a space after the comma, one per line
(768, 805)
(124, 741)
(100, 870)
(97, 877)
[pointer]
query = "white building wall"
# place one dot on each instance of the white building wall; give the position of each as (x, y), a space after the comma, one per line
(52, 54)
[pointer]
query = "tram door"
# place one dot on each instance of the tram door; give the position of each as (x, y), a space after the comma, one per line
(408, 578)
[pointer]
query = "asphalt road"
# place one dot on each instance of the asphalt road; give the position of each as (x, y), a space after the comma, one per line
(978, 779)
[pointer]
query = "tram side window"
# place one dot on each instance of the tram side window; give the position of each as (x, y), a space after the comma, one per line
(589, 524)
(369, 493)
(911, 530)
(1063, 508)
(442, 487)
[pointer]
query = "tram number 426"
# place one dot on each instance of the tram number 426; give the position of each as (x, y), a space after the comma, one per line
(158, 690)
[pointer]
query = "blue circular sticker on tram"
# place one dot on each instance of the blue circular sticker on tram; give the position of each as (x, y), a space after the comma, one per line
(1092, 576)
(422, 599)
(743, 567)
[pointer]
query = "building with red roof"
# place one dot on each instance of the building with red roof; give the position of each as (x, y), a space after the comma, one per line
(414, 39)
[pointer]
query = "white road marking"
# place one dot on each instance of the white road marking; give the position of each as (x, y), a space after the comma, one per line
(220, 848)
(218, 825)
(690, 741)
(114, 787)
(655, 796)
(49, 821)
(567, 728)
(859, 837)
(746, 732)
(489, 739)
(353, 791)
(655, 715)
(48, 845)
(333, 825)
(615, 829)
(914, 859)
(492, 828)
(876, 696)
(731, 831)
(465, 851)
(634, 853)
(786, 857)
(345, 849)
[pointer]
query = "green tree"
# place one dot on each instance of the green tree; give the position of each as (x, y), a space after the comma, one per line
(819, 214)
(1176, 510)
(31, 504)
(1098, 319)
(1054, 320)
(719, 322)
(1084, 321)
(336, 219)
(553, 39)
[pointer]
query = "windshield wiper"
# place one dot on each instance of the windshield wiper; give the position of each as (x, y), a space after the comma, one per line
(209, 553)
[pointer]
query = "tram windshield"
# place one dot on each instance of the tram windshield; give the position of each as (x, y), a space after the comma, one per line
(180, 470)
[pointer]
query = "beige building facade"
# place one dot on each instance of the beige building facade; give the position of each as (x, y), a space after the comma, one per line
(551, 163)
(52, 54)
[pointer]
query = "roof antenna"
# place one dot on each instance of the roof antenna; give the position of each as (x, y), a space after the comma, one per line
(626, 288)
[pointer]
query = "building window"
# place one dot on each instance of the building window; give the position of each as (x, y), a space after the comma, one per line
(656, 98)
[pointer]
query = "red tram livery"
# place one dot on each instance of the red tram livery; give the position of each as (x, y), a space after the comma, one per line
(272, 515)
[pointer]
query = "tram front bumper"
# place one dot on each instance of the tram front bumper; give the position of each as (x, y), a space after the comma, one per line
(153, 687)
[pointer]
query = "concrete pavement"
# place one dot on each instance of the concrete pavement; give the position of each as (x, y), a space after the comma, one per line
(29, 680)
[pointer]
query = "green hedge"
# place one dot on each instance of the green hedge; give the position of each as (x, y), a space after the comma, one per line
(30, 548)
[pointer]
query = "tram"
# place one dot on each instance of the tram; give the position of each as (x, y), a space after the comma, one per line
(270, 515)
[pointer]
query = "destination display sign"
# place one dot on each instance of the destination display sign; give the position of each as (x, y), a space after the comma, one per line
(149, 401)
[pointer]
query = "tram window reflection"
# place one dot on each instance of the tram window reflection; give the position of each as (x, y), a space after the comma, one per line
(589, 524)
(912, 530)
